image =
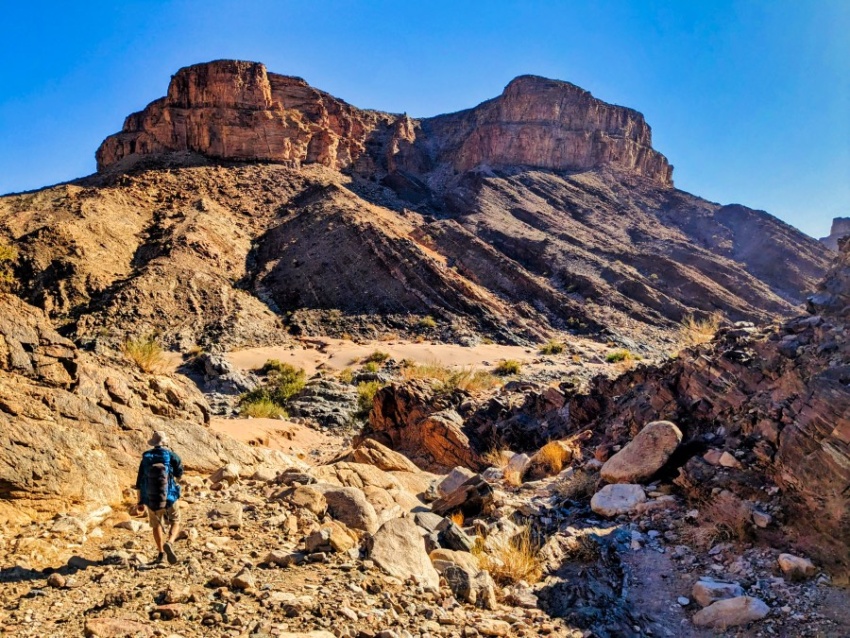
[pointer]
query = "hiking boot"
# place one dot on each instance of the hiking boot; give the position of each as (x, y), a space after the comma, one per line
(159, 559)
(169, 552)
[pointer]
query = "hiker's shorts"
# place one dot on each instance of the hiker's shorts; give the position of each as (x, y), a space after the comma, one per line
(171, 515)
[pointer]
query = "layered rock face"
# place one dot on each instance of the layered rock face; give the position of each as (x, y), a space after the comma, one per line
(238, 111)
(547, 124)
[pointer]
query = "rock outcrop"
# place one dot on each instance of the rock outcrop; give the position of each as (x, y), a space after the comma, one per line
(840, 229)
(238, 111)
(73, 425)
(776, 398)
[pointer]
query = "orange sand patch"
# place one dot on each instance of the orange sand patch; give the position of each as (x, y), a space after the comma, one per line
(298, 440)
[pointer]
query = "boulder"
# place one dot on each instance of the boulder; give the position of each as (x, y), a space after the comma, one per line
(332, 537)
(644, 455)
(464, 559)
(620, 498)
(731, 612)
(307, 497)
(473, 586)
(708, 591)
(350, 506)
(371, 452)
(796, 567)
(472, 497)
(454, 479)
(116, 628)
(397, 548)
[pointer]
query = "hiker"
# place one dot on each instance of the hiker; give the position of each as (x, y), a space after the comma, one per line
(158, 491)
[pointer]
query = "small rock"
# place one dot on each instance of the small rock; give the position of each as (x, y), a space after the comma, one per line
(707, 591)
(56, 580)
(683, 601)
(620, 498)
(243, 580)
(796, 567)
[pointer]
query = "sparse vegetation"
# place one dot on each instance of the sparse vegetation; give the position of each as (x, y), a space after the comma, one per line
(427, 323)
(283, 381)
(371, 366)
(449, 379)
(581, 486)
(618, 356)
(725, 518)
(512, 559)
(507, 368)
(694, 332)
(145, 352)
(552, 457)
(495, 458)
(346, 375)
(8, 257)
(366, 392)
(377, 356)
(512, 477)
(261, 408)
(458, 518)
(552, 347)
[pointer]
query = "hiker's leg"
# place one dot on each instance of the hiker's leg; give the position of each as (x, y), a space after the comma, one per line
(156, 526)
(175, 530)
(173, 514)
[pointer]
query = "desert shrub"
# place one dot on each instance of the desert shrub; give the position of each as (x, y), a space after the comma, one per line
(618, 356)
(371, 367)
(511, 560)
(8, 257)
(507, 367)
(261, 408)
(145, 352)
(513, 477)
(346, 375)
(377, 357)
(427, 323)
(581, 486)
(283, 381)
(694, 332)
(458, 518)
(450, 379)
(552, 347)
(366, 392)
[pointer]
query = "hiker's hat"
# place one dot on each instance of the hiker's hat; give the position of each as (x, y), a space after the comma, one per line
(159, 438)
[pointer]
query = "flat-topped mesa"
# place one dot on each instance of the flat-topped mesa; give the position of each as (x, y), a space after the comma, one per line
(551, 124)
(237, 110)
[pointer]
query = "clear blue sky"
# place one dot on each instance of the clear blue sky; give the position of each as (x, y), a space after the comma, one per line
(750, 100)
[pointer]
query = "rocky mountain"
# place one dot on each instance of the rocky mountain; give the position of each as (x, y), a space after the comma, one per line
(246, 200)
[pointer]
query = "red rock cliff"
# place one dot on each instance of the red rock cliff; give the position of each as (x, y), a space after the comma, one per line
(237, 110)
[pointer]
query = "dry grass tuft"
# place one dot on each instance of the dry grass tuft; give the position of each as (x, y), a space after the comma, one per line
(146, 353)
(512, 477)
(8, 257)
(581, 486)
(552, 456)
(552, 347)
(725, 518)
(377, 356)
(511, 560)
(507, 368)
(458, 518)
(694, 332)
(346, 375)
(495, 458)
(366, 392)
(450, 379)
(262, 408)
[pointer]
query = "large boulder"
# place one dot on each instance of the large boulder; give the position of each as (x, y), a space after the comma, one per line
(397, 548)
(371, 452)
(349, 505)
(644, 455)
(731, 612)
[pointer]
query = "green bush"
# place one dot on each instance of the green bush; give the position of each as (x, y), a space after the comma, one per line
(8, 257)
(621, 355)
(366, 392)
(427, 323)
(371, 366)
(552, 347)
(507, 367)
(282, 383)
